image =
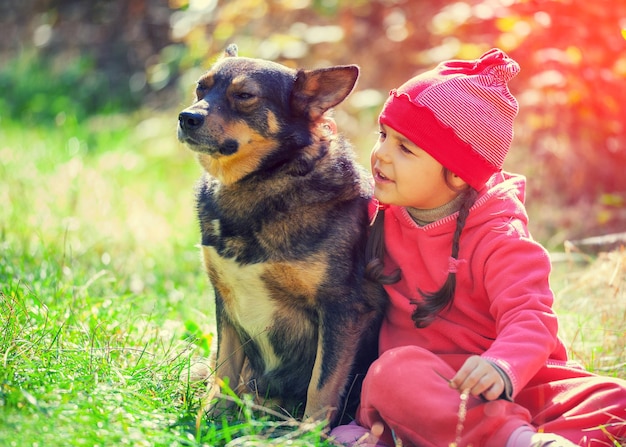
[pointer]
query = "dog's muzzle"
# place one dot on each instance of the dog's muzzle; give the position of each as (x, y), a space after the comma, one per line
(190, 120)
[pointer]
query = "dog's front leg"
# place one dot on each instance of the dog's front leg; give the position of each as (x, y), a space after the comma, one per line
(230, 359)
(336, 349)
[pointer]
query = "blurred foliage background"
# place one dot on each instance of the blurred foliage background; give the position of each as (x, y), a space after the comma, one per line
(63, 62)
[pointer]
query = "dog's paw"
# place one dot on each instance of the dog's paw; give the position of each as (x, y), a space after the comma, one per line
(199, 372)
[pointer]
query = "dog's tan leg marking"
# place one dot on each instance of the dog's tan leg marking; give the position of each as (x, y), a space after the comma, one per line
(318, 406)
(230, 356)
(323, 401)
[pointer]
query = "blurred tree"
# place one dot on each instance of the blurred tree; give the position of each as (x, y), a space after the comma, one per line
(103, 44)
(571, 90)
(572, 53)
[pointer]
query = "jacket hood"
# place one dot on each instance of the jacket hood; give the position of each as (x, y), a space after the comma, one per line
(503, 196)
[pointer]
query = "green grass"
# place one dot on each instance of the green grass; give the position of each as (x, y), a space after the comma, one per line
(103, 304)
(590, 301)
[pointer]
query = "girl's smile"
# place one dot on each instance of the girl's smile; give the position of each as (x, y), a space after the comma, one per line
(379, 177)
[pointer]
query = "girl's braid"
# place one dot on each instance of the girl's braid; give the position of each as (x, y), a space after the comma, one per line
(375, 252)
(470, 198)
(433, 303)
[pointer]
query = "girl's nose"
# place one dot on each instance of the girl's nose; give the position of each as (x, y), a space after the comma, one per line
(379, 152)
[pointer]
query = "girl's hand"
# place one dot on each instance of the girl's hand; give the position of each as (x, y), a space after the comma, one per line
(479, 377)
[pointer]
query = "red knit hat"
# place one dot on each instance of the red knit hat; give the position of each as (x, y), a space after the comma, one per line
(461, 113)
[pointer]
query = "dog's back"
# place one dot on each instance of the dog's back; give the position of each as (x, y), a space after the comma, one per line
(283, 215)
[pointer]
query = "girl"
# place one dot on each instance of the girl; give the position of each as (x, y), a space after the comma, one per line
(476, 325)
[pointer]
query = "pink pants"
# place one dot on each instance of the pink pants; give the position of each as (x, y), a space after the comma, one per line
(404, 391)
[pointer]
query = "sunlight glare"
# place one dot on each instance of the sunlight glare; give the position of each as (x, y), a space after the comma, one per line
(322, 34)
(543, 19)
(296, 4)
(451, 17)
(547, 78)
(42, 35)
(395, 26)
(483, 11)
(202, 5)
(364, 99)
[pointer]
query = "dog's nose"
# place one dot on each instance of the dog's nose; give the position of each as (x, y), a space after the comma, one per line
(190, 120)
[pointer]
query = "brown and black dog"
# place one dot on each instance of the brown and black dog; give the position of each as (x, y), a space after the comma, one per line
(283, 217)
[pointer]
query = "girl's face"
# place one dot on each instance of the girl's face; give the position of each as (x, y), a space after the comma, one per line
(405, 175)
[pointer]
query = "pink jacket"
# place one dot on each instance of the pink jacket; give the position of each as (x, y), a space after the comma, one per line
(502, 308)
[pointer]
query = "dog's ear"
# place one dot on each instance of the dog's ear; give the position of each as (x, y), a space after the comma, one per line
(316, 91)
(231, 50)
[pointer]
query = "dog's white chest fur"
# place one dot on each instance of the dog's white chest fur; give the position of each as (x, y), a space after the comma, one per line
(247, 299)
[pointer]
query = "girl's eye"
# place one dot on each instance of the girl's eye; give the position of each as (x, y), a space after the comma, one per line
(405, 149)
(381, 135)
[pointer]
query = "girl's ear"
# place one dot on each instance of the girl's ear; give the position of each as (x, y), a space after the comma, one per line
(456, 182)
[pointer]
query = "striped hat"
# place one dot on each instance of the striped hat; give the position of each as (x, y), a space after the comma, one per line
(461, 113)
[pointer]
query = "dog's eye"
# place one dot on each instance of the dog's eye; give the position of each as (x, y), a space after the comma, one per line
(244, 96)
(200, 91)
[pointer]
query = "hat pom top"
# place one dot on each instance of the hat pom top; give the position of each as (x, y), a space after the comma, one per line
(494, 64)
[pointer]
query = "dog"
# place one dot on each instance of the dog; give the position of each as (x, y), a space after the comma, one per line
(282, 207)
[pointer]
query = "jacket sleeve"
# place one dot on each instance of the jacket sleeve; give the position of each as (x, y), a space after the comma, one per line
(516, 280)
